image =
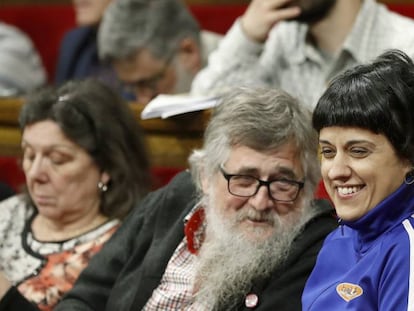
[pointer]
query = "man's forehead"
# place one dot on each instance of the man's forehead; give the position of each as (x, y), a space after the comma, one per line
(138, 65)
(287, 150)
(283, 159)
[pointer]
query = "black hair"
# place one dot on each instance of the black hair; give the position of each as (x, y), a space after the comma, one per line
(378, 96)
(97, 119)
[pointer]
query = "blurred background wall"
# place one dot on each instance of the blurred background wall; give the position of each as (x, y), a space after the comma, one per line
(187, 1)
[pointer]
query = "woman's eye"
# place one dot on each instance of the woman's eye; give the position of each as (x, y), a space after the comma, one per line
(327, 152)
(57, 159)
(359, 152)
(28, 156)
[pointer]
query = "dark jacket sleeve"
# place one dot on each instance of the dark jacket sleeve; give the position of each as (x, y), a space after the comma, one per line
(116, 270)
(95, 282)
(14, 301)
(77, 53)
(121, 254)
(102, 271)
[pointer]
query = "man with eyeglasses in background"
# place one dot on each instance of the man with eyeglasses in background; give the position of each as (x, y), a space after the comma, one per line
(154, 46)
(240, 232)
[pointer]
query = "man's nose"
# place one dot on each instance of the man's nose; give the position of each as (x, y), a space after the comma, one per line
(262, 199)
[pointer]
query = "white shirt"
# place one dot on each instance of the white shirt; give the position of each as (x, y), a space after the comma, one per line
(21, 69)
(288, 61)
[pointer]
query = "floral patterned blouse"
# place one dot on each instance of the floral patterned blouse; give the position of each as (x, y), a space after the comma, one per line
(43, 271)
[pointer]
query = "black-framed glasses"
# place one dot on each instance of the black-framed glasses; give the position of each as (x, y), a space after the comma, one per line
(150, 83)
(281, 189)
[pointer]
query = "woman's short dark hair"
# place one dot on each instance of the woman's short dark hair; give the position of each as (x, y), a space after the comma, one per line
(378, 96)
(97, 119)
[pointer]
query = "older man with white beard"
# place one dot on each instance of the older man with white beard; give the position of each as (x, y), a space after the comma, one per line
(240, 233)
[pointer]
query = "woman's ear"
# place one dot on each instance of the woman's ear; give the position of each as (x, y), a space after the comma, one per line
(105, 178)
(189, 55)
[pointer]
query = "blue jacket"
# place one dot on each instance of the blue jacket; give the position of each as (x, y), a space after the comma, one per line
(78, 58)
(368, 264)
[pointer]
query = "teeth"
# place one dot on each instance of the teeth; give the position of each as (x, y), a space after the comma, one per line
(347, 190)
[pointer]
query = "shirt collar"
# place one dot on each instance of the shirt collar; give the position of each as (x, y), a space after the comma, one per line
(388, 213)
(299, 53)
(362, 31)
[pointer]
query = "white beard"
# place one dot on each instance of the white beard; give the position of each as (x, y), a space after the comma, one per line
(229, 262)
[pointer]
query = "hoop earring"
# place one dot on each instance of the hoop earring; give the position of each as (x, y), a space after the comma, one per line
(409, 177)
(102, 187)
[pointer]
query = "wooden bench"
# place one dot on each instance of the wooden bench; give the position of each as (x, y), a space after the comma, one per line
(169, 141)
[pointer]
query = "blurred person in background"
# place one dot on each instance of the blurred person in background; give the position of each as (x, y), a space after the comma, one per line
(155, 46)
(21, 68)
(78, 53)
(300, 45)
(86, 166)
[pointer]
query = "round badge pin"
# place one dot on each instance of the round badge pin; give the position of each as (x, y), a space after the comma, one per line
(251, 300)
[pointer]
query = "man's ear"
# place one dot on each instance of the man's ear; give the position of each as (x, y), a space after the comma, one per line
(189, 54)
(204, 183)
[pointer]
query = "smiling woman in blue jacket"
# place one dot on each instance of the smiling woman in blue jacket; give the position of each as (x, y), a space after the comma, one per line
(365, 121)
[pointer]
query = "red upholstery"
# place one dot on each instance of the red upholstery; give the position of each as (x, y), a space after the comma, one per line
(217, 18)
(47, 23)
(404, 9)
(162, 175)
(11, 173)
(321, 192)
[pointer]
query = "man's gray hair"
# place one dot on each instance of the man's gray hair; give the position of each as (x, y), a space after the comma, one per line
(261, 119)
(157, 25)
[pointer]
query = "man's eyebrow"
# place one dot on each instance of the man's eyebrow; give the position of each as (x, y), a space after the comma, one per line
(285, 171)
(245, 170)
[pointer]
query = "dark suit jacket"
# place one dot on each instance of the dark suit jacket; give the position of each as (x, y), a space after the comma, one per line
(123, 275)
(78, 58)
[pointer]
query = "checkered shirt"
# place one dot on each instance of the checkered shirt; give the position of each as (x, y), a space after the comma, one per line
(175, 291)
